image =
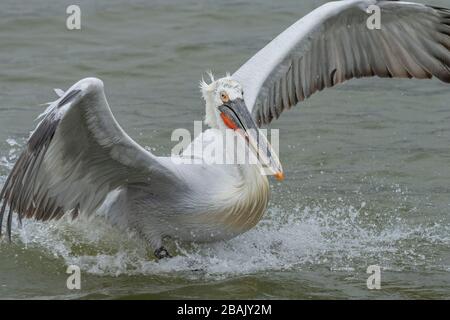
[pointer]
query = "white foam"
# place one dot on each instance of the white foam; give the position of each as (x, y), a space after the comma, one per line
(336, 239)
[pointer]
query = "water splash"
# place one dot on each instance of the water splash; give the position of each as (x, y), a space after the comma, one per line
(333, 238)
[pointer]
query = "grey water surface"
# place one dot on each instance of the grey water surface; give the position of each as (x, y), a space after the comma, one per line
(367, 163)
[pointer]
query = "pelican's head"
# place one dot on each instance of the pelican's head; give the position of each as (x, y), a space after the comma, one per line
(217, 93)
(226, 109)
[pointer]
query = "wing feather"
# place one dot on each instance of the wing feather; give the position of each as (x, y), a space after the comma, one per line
(333, 44)
(77, 154)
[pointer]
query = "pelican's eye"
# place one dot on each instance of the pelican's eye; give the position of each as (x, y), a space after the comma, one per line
(224, 97)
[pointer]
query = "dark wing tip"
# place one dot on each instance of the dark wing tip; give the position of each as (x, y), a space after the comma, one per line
(17, 192)
(68, 97)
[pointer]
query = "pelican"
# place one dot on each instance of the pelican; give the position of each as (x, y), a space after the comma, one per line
(79, 160)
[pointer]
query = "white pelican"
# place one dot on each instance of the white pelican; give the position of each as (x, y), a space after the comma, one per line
(79, 156)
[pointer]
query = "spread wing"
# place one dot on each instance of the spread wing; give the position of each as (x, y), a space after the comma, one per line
(77, 154)
(333, 44)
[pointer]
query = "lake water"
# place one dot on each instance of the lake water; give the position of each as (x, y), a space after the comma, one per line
(366, 163)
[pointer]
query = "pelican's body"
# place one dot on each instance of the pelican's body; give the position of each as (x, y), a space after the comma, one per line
(80, 161)
(209, 203)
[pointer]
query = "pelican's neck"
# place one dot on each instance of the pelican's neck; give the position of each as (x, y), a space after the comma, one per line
(245, 180)
(238, 194)
(251, 176)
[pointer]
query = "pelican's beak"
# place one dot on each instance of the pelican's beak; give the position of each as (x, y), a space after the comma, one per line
(236, 116)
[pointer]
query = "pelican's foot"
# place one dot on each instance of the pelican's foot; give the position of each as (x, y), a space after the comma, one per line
(162, 253)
